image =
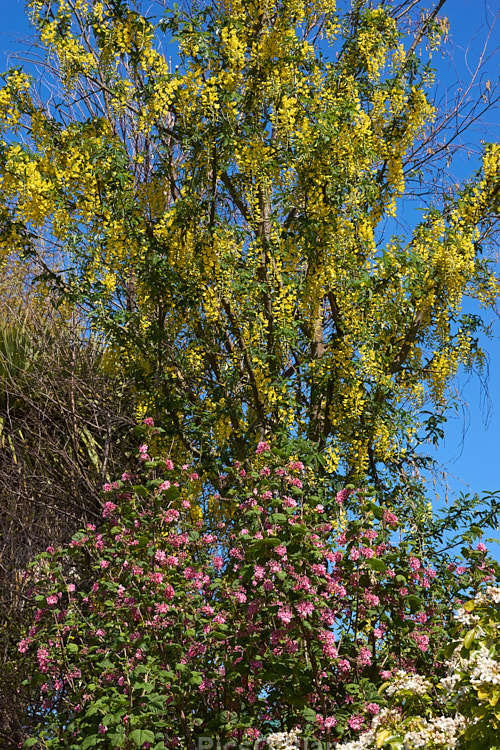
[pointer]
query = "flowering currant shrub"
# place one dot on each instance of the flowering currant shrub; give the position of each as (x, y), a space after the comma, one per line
(160, 628)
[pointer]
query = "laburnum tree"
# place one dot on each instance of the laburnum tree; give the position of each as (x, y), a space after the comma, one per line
(228, 215)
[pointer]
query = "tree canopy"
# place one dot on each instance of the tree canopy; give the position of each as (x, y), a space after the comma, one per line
(228, 213)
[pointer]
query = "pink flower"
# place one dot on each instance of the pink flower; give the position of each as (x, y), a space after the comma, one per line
(355, 721)
(109, 507)
(42, 656)
(148, 422)
(168, 464)
(24, 645)
(422, 641)
(171, 515)
(104, 564)
(160, 556)
(414, 563)
(305, 608)
(156, 577)
(143, 453)
(52, 599)
(481, 547)
(285, 615)
(330, 722)
(262, 447)
(372, 708)
(169, 592)
(259, 572)
(327, 638)
(319, 509)
(218, 562)
(372, 599)
(365, 656)
(355, 554)
(164, 486)
(390, 519)
(342, 496)
(367, 552)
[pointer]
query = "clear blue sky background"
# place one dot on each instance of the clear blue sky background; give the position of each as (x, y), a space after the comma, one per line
(471, 450)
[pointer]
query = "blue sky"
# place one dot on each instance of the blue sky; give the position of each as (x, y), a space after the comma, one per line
(471, 450)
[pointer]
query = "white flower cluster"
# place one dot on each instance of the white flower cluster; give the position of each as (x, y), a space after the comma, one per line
(449, 683)
(489, 596)
(466, 618)
(403, 682)
(492, 594)
(368, 740)
(439, 733)
(283, 740)
(365, 742)
(485, 669)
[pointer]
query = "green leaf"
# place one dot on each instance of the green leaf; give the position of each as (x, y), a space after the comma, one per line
(277, 517)
(309, 715)
(140, 736)
(171, 494)
(415, 602)
(375, 563)
(89, 742)
(469, 638)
